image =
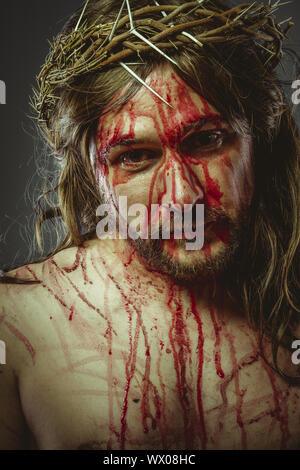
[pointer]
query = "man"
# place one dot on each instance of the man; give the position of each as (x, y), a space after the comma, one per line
(125, 343)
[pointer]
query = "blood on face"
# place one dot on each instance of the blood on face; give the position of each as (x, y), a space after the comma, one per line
(184, 153)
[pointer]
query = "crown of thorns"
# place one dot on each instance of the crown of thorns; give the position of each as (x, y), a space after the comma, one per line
(88, 48)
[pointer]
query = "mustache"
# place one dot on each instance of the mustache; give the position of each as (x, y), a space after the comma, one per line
(216, 214)
(211, 216)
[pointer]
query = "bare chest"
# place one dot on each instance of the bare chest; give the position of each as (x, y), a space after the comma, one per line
(197, 383)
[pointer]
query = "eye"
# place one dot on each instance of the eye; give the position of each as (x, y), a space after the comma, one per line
(137, 158)
(206, 141)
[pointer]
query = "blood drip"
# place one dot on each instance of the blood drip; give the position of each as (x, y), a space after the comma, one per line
(217, 329)
(200, 370)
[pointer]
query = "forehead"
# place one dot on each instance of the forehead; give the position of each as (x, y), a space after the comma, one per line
(147, 113)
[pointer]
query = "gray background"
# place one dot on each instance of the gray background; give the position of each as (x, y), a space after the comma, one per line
(25, 28)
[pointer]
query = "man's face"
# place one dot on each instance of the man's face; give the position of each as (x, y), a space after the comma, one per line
(185, 154)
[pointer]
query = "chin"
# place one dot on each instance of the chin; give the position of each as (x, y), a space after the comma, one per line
(170, 257)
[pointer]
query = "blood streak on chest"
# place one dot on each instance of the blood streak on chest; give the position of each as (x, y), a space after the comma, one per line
(136, 330)
(130, 258)
(203, 434)
(21, 337)
(217, 329)
(181, 351)
(80, 262)
(149, 390)
(71, 314)
(237, 367)
(76, 263)
(281, 408)
(50, 291)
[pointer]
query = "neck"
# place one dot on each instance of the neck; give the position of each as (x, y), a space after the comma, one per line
(124, 260)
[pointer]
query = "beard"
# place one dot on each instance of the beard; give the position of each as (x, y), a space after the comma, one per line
(209, 263)
(206, 264)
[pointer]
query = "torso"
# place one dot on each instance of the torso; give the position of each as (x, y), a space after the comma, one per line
(109, 358)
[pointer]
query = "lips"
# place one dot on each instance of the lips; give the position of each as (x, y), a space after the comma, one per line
(212, 224)
(196, 231)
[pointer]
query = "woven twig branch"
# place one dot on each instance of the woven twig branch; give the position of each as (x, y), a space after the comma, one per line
(89, 48)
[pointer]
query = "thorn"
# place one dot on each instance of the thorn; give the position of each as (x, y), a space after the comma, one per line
(284, 21)
(243, 12)
(144, 83)
(129, 14)
(188, 35)
(136, 33)
(116, 22)
(162, 12)
(82, 13)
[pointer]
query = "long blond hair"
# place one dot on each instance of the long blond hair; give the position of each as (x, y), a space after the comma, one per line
(234, 78)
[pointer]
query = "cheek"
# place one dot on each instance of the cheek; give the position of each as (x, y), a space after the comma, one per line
(234, 173)
(135, 188)
(242, 172)
(118, 178)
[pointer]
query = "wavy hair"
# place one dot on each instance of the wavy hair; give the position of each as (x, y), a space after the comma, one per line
(234, 77)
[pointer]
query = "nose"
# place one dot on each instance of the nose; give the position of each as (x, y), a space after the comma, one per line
(179, 183)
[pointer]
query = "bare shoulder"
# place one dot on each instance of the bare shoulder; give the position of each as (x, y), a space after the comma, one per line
(73, 262)
(21, 284)
(41, 295)
(62, 296)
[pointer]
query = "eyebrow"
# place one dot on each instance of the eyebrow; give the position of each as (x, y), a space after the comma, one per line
(125, 141)
(201, 122)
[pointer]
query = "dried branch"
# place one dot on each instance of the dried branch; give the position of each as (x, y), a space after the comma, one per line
(91, 47)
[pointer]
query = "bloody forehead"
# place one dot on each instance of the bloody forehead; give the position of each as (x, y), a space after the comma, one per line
(188, 111)
(124, 140)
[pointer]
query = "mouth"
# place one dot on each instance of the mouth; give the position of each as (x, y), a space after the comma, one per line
(209, 224)
(196, 231)
(210, 227)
